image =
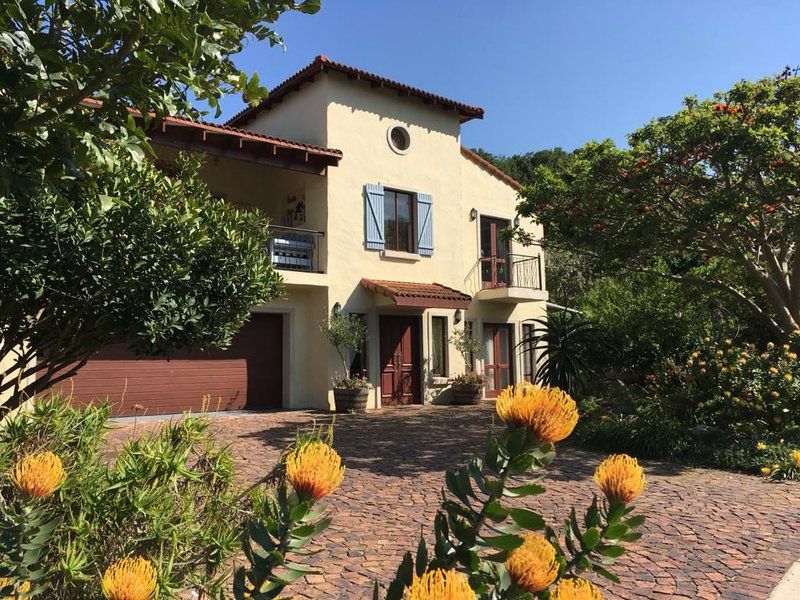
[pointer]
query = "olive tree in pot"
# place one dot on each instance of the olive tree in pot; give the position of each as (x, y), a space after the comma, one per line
(346, 332)
(467, 388)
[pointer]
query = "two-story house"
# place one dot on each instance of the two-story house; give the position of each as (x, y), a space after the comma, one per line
(376, 209)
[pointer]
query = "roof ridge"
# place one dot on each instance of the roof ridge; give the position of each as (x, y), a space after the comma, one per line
(321, 63)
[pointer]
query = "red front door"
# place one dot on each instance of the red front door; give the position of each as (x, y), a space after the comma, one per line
(498, 365)
(399, 360)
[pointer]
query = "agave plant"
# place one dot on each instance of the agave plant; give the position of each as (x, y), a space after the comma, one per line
(563, 343)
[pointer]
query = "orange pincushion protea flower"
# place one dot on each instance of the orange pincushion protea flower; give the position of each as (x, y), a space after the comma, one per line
(439, 585)
(532, 566)
(21, 589)
(575, 589)
(547, 412)
(314, 470)
(38, 475)
(132, 578)
(621, 478)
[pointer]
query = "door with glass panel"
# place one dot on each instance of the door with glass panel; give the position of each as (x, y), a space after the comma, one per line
(497, 352)
(494, 253)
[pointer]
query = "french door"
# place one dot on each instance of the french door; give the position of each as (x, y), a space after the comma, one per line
(498, 361)
(494, 253)
(400, 366)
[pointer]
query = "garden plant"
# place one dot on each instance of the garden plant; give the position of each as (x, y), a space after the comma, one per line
(165, 517)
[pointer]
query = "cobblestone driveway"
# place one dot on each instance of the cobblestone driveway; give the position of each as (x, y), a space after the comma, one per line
(709, 534)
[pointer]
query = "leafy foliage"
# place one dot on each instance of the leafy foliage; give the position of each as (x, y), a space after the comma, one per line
(345, 332)
(475, 532)
(714, 183)
(564, 342)
(153, 56)
(162, 266)
(169, 496)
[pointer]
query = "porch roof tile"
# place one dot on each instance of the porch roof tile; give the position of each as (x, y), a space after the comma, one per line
(420, 295)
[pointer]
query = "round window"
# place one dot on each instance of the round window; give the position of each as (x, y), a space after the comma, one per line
(399, 139)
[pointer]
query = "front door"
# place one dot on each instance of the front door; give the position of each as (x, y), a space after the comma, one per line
(400, 383)
(494, 253)
(498, 369)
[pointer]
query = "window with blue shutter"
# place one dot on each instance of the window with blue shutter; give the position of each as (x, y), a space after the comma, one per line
(425, 224)
(374, 217)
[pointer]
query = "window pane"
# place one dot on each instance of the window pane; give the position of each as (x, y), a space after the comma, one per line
(439, 346)
(358, 366)
(490, 379)
(486, 237)
(390, 219)
(503, 343)
(404, 223)
(505, 378)
(528, 354)
(488, 345)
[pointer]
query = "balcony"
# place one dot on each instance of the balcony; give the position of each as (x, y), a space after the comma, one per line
(510, 278)
(296, 252)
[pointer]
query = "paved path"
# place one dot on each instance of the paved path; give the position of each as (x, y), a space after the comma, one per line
(709, 534)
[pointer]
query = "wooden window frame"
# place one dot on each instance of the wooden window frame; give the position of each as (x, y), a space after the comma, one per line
(412, 221)
(445, 363)
(528, 354)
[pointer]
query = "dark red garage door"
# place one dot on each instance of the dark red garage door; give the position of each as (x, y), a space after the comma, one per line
(246, 375)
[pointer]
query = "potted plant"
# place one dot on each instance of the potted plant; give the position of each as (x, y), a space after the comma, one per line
(467, 388)
(345, 332)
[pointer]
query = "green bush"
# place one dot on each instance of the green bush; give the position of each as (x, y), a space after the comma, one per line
(745, 391)
(649, 432)
(169, 496)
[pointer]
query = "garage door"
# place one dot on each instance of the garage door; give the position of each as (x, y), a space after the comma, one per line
(248, 375)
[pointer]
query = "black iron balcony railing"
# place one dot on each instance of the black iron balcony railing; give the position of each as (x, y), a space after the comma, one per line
(511, 270)
(295, 249)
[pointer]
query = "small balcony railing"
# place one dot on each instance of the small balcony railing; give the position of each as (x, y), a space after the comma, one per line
(295, 249)
(511, 270)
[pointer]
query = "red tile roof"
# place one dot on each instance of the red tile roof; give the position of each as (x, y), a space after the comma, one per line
(324, 64)
(421, 295)
(490, 168)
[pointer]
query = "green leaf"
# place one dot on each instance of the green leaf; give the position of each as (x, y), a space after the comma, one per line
(611, 551)
(529, 489)
(527, 519)
(504, 542)
(590, 538)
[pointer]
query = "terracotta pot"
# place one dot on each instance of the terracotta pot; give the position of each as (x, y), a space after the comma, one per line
(467, 394)
(349, 400)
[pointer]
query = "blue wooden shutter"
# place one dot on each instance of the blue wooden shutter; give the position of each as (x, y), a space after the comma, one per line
(373, 216)
(425, 224)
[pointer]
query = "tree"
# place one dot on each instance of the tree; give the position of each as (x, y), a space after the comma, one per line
(159, 264)
(153, 56)
(345, 332)
(713, 188)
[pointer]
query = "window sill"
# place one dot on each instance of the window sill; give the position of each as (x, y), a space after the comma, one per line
(397, 255)
(437, 381)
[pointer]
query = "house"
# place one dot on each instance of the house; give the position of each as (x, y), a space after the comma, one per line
(376, 209)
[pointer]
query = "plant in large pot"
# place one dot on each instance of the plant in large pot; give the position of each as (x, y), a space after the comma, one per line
(467, 388)
(346, 332)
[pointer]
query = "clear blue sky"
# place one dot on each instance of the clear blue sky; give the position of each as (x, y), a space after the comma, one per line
(549, 73)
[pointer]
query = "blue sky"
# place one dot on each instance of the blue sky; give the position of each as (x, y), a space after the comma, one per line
(549, 73)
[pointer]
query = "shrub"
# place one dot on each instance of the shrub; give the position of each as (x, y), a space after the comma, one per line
(168, 496)
(743, 390)
(651, 431)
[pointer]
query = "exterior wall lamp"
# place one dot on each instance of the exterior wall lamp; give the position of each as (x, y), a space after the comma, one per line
(473, 214)
(458, 316)
(337, 308)
(516, 222)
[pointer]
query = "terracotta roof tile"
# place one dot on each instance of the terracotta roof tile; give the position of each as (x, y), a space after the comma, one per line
(490, 168)
(323, 63)
(422, 295)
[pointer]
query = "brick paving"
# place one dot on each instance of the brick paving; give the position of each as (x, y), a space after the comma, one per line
(709, 534)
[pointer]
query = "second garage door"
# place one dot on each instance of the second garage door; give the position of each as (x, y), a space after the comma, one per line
(248, 375)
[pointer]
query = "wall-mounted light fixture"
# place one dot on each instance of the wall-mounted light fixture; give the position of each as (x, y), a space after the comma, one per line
(473, 214)
(458, 316)
(516, 221)
(337, 308)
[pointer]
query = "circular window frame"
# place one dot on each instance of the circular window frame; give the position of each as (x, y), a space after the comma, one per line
(390, 141)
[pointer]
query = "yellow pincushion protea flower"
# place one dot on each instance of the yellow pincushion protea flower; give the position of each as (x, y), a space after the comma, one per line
(132, 578)
(795, 456)
(439, 585)
(547, 412)
(621, 478)
(38, 475)
(532, 566)
(314, 469)
(766, 471)
(575, 589)
(21, 589)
